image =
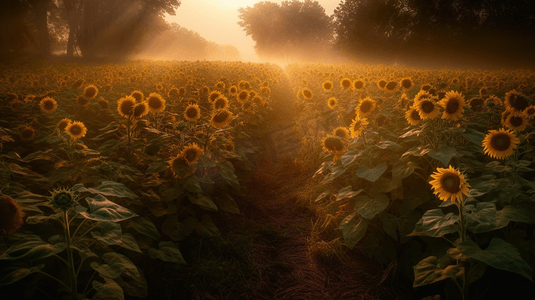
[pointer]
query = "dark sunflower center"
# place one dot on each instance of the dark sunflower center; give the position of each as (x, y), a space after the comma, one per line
(359, 85)
(406, 83)
(49, 105)
(346, 84)
(137, 96)
(428, 107)
(126, 107)
(452, 106)
(219, 103)
(327, 85)
(90, 93)
(365, 107)
(382, 84)
(155, 103)
(243, 95)
(476, 102)
(519, 103)
(451, 183)
(27, 133)
(340, 133)
(307, 94)
(75, 129)
(221, 117)
(500, 142)
(139, 110)
(332, 102)
(191, 155)
(334, 144)
(391, 86)
(191, 112)
(516, 121)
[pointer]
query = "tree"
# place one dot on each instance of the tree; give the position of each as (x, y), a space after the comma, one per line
(290, 30)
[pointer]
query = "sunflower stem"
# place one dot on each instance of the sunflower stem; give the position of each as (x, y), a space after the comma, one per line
(463, 239)
(70, 259)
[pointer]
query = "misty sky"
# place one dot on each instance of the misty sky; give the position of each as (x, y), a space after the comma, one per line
(217, 21)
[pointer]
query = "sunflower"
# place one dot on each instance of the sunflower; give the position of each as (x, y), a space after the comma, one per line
(82, 101)
(27, 133)
(78, 84)
(493, 99)
(345, 83)
(63, 123)
(476, 103)
(220, 103)
(244, 85)
(427, 108)
(412, 116)
(449, 184)
(516, 100)
(265, 90)
(76, 129)
(421, 95)
(332, 102)
(221, 118)
(156, 103)
(220, 85)
(517, 121)
(10, 215)
(333, 144)
(382, 120)
(530, 111)
(381, 83)
(341, 132)
(141, 110)
(365, 107)
(391, 86)
(182, 91)
(180, 167)
(192, 112)
(125, 106)
(104, 104)
(159, 86)
(483, 91)
(406, 84)
(327, 86)
(500, 143)
(173, 92)
(138, 96)
(307, 94)
(359, 85)
(90, 92)
(243, 96)
(48, 104)
(426, 87)
(191, 153)
(357, 126)
(452, 103)
(233, 90)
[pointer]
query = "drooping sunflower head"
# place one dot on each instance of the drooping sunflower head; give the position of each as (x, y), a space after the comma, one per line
(220, 103)
(500, 144)
(517, 121)
(449, 184)
(357, 126)
(63, 198)
(333, 144)
(82, 101)
(307, 93)
(221, 118)
(27, 134)
(192, 112)
(427, 108)
(191, 153)
(63, 123)
(90, 92)
(530, 111)
(104, 104)
(180, 167)
(10, 215)
(78, 84)
(332, 102)
(345, 83)
(516, 100)
(341, 132)
(359, 84)
(452, 103)
(476, 103)
(138, 96)
(156, 103)
(141, 110)
(125, 106)
(220, 85)
(327, 86)
(406, 84)
(494, 100)
(484, 91)
(76, 130)
(412, 116)
(365, 107)
(48, 104)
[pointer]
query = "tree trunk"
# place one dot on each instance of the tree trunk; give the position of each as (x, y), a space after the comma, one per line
(41, 22)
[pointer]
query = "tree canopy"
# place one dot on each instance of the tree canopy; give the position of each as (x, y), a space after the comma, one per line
(291, 30)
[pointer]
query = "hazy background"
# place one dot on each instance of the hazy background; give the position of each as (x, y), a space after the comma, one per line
(217, 21)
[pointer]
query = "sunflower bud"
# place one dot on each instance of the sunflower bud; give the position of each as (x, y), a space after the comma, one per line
(63, 199)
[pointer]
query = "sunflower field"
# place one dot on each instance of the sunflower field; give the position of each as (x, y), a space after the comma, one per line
(429, 173)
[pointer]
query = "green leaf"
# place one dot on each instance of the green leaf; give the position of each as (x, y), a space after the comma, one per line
(178, 230)
(15, 274)
(38, 155)
(207, 228)
(323, 196)
(403, 226)
(444, 154)
(347, 192)
(336, 171)
(481, 217)
(30, 248)
(129, 242)
(511, 213)
(39, 219)
(113, 189)
(146, 227)
(103, 209)
(108, 290)
(168, 252)
(227, 203)
(157, 167)
(403, 169)
(370, 207)
(371, 174)
(474, 136)
(349, 157)
(430, 270)
(203, 201)
(434, 223)
(353, 229)
(500, 255)
(192, 185)
(388, 145)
